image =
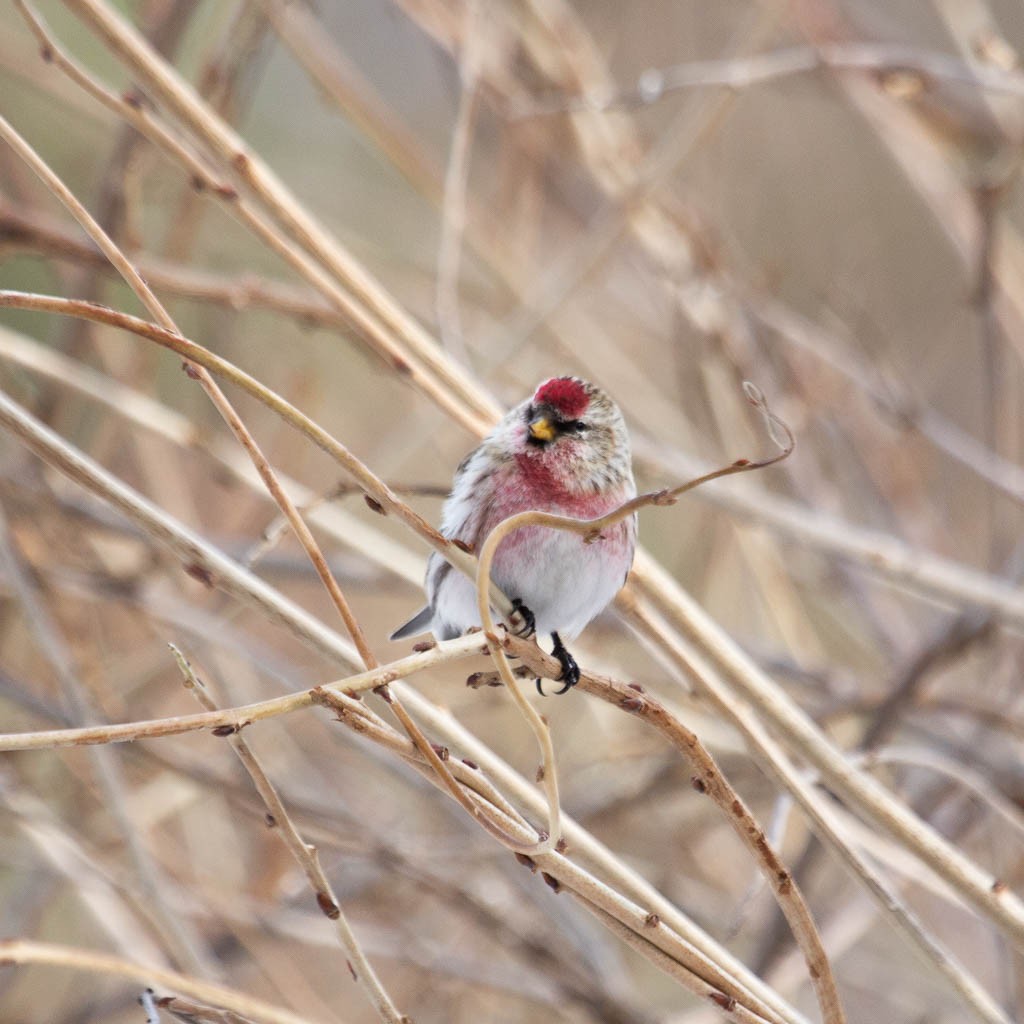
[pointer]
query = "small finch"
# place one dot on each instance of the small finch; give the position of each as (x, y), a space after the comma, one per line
(564, 450)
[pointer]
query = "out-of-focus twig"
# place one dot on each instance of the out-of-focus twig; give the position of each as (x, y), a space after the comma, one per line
(304, 854)
(25, 951)
(915, 68)
(177, 934)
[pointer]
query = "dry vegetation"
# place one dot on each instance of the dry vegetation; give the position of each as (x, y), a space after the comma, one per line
(790, 785)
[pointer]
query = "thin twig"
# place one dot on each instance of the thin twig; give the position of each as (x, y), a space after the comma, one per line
(915, 68)
(243, 435)
(304, 854)
(591, 529)
(221, 571)
(230, 720)
(204, 361)
(48, 954)
(709, 779)
(453, 219)
(179, 938)
(388, 326)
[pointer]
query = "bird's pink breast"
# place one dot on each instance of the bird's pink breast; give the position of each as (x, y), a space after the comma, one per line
(534, 483)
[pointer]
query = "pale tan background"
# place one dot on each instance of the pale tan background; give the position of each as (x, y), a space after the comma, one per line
(822, 234)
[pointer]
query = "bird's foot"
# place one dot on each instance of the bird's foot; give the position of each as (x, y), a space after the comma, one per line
(529, 626)
(570, 670)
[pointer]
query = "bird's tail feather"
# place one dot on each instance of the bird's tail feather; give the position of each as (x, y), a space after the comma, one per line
(419, 623)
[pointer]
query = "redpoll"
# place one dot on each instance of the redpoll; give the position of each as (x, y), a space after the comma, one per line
(565, 450)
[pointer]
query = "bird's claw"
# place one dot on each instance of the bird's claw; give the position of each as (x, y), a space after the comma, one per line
(529, 626)
(570, 670)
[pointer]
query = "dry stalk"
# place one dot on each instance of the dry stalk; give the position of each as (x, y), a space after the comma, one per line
(216, 396)
(924, 572)
(195, 353)
(205, 361)
(727, 1007)
(881, 554)
(369, 326)
(238, 718)
(212, 565)
(724, 667)
(743, 72)
(590, 530)
(453, 217)
(141, 410)
(904, 565)
(178, 935)
(687, 964)
(305, 855)
(32, 232)
(366, 977)
(708, 779)
(242, 434)
(48, 954)
(397, 335)
(694, 664)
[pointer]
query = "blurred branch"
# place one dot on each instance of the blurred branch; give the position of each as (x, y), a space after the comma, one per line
(48, 954)
(200, 356)
(304, 854)
(699, 661)
(334, 73)
(978, 784)
(707, 654)
(877, 552)
(863, 791)
(139, 409)
(178, 937)
(229, 721)
(903, 68)
(383, 320)
(709, 780)
(32, 232)
(453, 214)
(898, 403)
(367, 979)
(679, 304)
(211, 565)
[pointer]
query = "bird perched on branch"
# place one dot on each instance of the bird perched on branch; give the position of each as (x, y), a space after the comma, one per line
(563, 450)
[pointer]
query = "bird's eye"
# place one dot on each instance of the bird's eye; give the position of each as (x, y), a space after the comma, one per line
(573, 427)
(529, 413)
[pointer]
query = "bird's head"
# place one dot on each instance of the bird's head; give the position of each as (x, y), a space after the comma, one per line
(569, 420)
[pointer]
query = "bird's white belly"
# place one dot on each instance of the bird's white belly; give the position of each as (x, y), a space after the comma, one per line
(563, 581)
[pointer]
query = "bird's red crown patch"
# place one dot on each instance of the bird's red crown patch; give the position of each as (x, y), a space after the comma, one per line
(566, 394)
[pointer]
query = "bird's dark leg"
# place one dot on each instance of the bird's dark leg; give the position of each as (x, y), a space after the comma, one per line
(529, 622)
(570, 670)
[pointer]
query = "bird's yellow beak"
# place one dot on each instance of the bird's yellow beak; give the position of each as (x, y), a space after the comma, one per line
(542, 430)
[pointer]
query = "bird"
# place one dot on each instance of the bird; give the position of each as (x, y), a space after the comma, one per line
(566, 450)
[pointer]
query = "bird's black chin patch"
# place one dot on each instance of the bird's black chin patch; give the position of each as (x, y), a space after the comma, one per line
(537, 442)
